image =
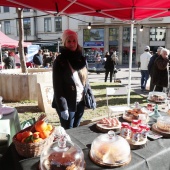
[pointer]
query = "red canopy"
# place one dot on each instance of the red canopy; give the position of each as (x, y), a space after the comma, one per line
(121, 9)
(7, 42)
(126, 10)
(9, 4)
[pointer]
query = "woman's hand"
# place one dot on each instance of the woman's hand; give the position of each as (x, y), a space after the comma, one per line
(65, 115)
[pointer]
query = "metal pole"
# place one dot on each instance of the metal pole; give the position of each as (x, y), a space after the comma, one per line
(58, 44)
(130, 63)
(1, 57)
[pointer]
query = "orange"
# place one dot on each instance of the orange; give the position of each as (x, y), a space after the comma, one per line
(19, 137)
(44, 134)
(25, 134)
(36, 135)
(49, 127)
(40, 126)
(23, 140)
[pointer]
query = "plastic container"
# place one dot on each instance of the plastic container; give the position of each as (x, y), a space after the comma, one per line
(62, 154)
(135, 123)
(163, 123)
(125, 130)
(135, 136)
(110, 150)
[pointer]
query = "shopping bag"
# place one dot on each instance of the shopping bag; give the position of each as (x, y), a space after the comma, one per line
(89, 100)
(148, 84)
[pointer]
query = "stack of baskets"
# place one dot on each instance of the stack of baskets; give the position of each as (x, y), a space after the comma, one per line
(29, 150)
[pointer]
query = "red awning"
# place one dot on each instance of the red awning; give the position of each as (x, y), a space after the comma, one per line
(9, 4)
(120, 9)
(7, 42)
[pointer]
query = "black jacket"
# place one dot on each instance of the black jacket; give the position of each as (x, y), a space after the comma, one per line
(160, 72)
(109, 64)
(37, 59)
(65, 93)
(151, 63)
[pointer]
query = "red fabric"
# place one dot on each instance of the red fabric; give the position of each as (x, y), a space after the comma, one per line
(8, 3)
(121, 9)
(29, 64)
(7, 42)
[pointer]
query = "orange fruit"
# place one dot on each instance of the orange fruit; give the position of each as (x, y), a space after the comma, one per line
(36, 135)
(49, 127)
(44, 134)
(25, 134)
(23, 140)
(19, 137)
(40, 126)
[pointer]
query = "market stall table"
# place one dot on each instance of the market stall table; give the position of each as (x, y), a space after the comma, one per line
(154, 156)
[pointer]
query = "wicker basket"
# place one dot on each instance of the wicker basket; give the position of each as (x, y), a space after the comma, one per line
(29, 150)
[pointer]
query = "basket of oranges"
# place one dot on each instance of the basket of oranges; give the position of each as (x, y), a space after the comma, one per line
(31, 141)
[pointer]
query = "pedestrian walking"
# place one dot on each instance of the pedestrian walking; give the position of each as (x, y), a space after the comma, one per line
(150, 66)
(144, 60)
(98, 62)
(109, 67)
(160, 74)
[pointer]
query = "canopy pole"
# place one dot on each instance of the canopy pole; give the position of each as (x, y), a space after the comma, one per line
(1, 57)
(130, 63)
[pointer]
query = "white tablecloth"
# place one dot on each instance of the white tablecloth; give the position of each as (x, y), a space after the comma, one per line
(9, 124)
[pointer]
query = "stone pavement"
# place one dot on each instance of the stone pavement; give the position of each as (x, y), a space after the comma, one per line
(123, 75)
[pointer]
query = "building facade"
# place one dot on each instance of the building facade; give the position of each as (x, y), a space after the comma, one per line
(105, 34)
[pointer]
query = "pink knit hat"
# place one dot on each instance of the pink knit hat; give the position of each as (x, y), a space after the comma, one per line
(68, 33)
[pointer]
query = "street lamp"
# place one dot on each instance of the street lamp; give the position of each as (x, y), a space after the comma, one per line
(59, 40)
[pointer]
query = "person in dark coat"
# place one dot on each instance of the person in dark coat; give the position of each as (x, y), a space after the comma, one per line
(9, 61)
(69, 80)
(150, 66)
(109, 66)
(38, 59)
(160, 74)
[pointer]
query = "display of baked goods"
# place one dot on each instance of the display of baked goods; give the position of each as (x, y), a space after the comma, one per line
(163, 123)
(135, 114)
(157, 96)
(62, 155)
(110, 150)
(106, 124)
(109, 122)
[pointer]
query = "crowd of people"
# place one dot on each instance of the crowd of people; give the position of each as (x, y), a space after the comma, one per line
(43, 59)
(156, 67)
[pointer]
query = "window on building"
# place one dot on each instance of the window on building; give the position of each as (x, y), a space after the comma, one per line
(7, 27)
(58, 24)
(126, 34)
(98, 19)
(6, 9)
(157, 33)
(26, 10)
(47, 24)
(126, 45)
(27, 27)
(113, 34)
(113, 39)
